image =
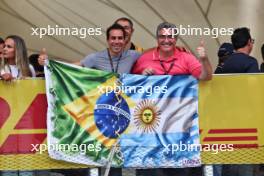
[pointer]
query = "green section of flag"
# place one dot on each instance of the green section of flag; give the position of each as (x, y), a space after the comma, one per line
(73, 82)
(68, 84)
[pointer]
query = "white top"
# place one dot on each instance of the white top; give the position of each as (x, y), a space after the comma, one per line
(16, 72)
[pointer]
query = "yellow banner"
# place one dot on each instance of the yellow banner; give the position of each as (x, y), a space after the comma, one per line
(23, 109)
(230, 109)
(231, 112)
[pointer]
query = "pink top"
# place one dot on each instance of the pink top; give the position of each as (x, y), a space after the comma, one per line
(178, 64)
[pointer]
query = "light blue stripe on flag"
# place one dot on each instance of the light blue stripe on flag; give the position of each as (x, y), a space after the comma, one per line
(178, 122)
(176, 86)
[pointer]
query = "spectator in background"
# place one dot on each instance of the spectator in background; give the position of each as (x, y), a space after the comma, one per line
(225, 50)
(240, 61)
(2, 45)
(127, 24)
(262, 64)
(15, 64)
(39, 69)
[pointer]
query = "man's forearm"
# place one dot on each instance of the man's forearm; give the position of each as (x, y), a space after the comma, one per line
(206, 70)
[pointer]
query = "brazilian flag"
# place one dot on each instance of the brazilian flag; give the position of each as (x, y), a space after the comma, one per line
(74, 126)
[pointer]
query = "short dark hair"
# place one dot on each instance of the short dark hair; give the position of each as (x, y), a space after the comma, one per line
(125, 19)
(262, 51)
(33, 60)
(115, 27)
(165, 25)
(240, 37)
(1, 40)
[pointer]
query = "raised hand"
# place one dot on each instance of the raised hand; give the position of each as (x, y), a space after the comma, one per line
(43, 56)
(201, 51)
(206, 72)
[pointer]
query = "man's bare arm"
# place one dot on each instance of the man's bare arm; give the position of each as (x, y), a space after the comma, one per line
(206, 70)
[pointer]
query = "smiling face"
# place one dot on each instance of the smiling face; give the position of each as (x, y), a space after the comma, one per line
(116, 42)
(9, 49)
(128, 28)
(166, 40)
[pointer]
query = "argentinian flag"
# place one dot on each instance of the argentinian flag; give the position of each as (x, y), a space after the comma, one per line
(163, 129)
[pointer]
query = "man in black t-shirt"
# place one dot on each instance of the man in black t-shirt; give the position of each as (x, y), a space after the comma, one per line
(225, 50)
(240, 61)
(262, 65)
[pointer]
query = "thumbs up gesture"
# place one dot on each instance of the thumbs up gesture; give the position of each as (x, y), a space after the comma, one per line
(43, 56)
(201, 51)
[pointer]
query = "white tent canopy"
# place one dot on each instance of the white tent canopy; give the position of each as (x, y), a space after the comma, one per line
(20, 16)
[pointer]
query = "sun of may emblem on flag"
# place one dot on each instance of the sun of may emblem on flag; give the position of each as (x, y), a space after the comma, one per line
(96, 117)
(147, 116)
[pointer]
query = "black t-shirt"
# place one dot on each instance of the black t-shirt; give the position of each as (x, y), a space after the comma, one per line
(218, 69)
(262, 67)
(240, 63)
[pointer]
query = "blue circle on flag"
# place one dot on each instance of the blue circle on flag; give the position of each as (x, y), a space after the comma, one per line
(111, 114)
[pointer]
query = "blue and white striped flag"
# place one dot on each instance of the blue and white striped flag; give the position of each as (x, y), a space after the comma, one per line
(163, 130)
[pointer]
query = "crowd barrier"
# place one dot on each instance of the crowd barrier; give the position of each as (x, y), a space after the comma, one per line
(230, 111)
